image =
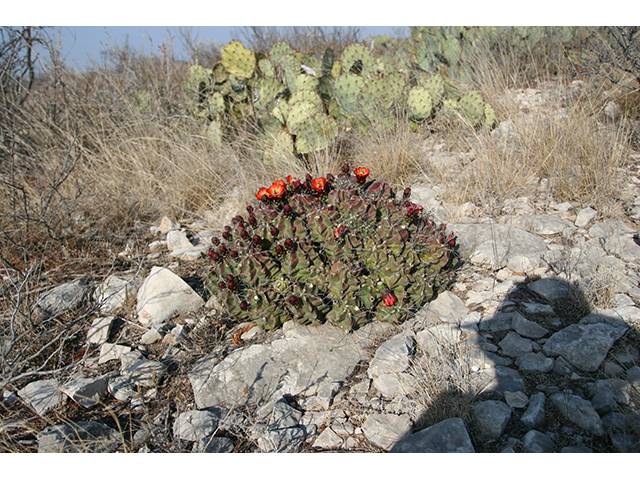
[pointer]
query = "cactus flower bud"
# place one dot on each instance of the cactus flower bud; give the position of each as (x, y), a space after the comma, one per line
(361, 174)
(256, 240)
(406, 194)
(319, 184)
(288, 244)
(275, 232)
(244, 234)
(214, 256)
(388, 298)
(279, 249)
(293, 300)
(215, 240)
(249, 208)
(244, 306)
(287, 210)
(346, 168)
(252, 220)
(223, 250)
(226, 235)
(233, 254)
(222, 284)
(330, 178)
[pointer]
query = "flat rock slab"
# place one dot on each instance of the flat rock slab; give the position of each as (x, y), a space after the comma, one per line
(81, 437)
(386, 430)
(300, 363)
(448, 436)
(538, 224)
(514, 240)
(579, 411)
(114, 292)
(42, 395)
(63, 298)
(163, 295)
(583, 346)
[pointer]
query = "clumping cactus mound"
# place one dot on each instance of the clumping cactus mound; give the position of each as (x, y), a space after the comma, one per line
(338, 249)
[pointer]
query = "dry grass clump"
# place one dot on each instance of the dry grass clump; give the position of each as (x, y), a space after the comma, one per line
(579, 160)
(445, 387)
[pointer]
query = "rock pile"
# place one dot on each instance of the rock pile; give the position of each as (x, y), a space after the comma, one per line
(527, 366)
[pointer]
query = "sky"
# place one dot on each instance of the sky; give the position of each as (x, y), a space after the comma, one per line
(81, 45)
(87, 28)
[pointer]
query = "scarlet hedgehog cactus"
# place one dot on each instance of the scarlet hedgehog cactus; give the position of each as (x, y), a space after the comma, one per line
(337, 249)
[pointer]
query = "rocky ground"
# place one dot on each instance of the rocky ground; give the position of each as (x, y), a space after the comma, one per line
(512, 359)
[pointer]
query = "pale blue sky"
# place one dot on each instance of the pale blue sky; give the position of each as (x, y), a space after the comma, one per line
(83, 44)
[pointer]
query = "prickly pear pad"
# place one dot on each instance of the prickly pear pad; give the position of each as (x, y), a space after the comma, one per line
(338, 249)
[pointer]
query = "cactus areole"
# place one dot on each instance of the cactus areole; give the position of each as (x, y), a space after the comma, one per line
(337, 249)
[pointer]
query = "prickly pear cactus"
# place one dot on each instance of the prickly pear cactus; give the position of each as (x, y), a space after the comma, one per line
(338, 249)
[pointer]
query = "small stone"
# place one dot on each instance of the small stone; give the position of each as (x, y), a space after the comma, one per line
(213, 445)
(534, 363)
(585, 216)
(514, 345)
(327, 439)
(448, 436)
(85, 391)
(42, 395)
(112, 351)
(99, 330)
(537, 442)
(579, 411)
(516, 399)
(167, 224)
(150, 336)
(196, 424)
(80, 437)
(492, 417)
(385, 430)
(527, 328)
(535, 414)
(393, 356)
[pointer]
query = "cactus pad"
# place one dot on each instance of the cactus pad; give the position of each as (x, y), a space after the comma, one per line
(238, 60)
(420, 103)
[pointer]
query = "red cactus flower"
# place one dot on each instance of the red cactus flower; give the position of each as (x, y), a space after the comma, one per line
(276, 190)
(361, 174)
(263, 195)
(319, 184)
(338, 231)
(388, 298)
(292, 180)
